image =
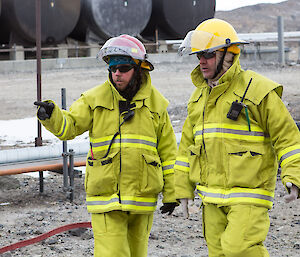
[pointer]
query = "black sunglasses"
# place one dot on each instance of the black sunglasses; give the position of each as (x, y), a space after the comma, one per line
(206, 55)
(121, 68)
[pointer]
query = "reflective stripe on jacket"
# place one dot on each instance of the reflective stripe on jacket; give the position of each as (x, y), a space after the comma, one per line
(234, 162)
(140, 161)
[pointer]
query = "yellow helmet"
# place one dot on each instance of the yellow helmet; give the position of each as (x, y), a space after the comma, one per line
(211, 35)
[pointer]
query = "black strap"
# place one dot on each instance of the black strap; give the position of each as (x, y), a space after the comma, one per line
(110, 144)
(124, 106)
(220, 64)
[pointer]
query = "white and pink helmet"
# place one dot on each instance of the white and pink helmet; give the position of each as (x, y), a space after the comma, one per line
(125, 45)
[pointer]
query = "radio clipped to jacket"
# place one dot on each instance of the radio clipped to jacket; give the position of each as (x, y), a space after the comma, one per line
(236, 107)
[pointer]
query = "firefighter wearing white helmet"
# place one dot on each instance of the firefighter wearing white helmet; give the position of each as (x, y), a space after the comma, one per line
(132, 149)
(236, 134)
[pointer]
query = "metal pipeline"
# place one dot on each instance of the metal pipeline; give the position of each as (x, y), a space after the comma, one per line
(46, 152)
(23, 160)
(30, 154)
(38, 166)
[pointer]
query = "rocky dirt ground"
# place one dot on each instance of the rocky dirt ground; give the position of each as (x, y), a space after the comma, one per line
(25, 213)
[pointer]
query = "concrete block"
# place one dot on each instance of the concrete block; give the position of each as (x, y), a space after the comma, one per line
(17, 54)
(162, 47)
(93, 51)
(63, 51)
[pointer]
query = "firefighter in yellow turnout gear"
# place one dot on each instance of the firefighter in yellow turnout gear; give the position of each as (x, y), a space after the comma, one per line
(132, 149)
(236, 134)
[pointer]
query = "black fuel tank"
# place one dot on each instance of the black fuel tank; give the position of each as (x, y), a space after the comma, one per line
(58, 19)
(109, 18)
(174, 18)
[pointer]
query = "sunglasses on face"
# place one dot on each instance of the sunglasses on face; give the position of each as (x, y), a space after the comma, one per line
(121, 68)
(206, 55)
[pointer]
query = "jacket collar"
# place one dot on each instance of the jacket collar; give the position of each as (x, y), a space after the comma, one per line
(199, 81)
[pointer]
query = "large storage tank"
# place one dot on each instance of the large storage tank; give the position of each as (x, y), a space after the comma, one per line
(174, 18)
(58, 19)
(109, 18)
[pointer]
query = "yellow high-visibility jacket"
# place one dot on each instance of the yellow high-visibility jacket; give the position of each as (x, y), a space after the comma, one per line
(140, 163)
(236, 161)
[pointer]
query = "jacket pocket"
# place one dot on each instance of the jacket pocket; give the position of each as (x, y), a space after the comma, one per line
(101, 175)
(152, 179)
(194, 162)
(244, 166)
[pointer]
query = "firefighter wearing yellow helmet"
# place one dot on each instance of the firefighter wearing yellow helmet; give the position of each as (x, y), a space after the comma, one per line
(132, 148)
(236, 134)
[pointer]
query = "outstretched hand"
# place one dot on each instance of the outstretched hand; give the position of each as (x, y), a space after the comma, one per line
(185, 207)
(45, 109)
(293, 193)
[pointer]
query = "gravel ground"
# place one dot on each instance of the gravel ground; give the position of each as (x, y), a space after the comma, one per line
(25, 213)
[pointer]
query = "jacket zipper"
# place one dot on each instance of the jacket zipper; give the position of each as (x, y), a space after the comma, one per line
(118, 183)
(206, 100)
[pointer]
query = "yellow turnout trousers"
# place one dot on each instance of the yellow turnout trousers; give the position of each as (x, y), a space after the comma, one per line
(121, 234)
(235, 231)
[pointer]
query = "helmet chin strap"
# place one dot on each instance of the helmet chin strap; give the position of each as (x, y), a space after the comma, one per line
(220, 64)
(134, 84)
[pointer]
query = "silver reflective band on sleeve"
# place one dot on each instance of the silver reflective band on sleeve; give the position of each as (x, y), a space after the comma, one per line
(285, 158)
(168, 167)
(181, 163)
(64, 128)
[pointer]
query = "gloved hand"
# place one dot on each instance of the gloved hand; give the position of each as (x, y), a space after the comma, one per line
(185, 207)
(45, 109)
(168, 207)
(293, 192)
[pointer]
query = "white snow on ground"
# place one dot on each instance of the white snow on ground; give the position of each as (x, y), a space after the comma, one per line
(24, 131)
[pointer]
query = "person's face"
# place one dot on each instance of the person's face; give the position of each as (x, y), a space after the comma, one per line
(207, 64)
(121, 75)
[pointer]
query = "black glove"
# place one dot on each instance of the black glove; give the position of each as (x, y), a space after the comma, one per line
(45, 109)
(168, 207)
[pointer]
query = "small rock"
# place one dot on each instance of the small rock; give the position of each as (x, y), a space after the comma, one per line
(153, 237)
(77, 231)
(52, 241)
(40, 218)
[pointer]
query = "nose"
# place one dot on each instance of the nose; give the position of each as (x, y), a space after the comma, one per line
(202, 60)
(118, 73)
